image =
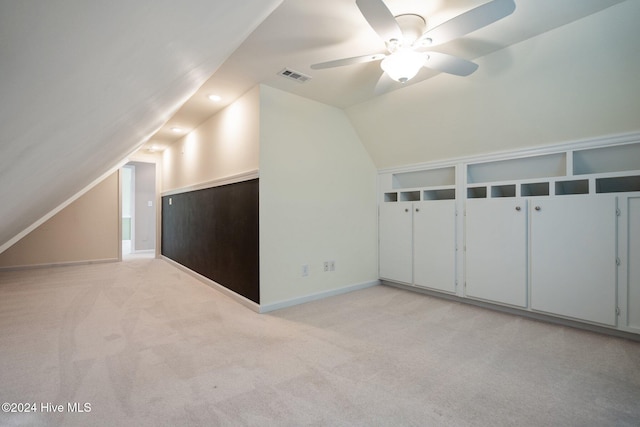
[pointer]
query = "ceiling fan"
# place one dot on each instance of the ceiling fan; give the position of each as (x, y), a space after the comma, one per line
(408, 44)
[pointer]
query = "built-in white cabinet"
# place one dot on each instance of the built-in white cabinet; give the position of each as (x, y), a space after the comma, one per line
(565, 245)
(396, 242)
(417, 229)
(631, 254)
(417, 243)
(552, 232)
(573, 257)
(496, 250)
(434, 245)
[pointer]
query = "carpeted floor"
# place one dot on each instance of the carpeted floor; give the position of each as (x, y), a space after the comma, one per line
(144, 344)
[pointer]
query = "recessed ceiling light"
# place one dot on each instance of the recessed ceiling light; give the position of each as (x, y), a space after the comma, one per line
(177, 129)
(215, 98)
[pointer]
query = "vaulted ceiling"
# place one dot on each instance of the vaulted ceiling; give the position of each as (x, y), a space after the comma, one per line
(301, 33)
(83, 84)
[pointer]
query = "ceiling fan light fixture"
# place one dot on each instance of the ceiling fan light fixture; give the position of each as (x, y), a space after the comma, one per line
(425, 42)
(403, 66)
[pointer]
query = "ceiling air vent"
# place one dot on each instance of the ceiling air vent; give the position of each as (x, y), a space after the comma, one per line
(294, 75)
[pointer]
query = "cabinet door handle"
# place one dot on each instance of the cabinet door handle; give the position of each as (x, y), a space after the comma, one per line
(406, 210)
(538, 208)
(518, 208)
(417, 210)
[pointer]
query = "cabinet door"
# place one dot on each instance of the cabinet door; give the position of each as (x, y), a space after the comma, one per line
(434, 244)
(395, 228)
(496, 250)
(633, 262)
(573, 253)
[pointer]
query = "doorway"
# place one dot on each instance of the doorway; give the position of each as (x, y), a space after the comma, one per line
(138, 209)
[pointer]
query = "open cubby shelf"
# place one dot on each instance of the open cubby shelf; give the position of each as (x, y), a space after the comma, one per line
(508, 190)
(445, 194)
(410, 196)
(414, 195)
(598, 170)
(578, 186)
(617, 158)
(390, 197)
(535, 189)
(425, 178)
(549, 165)
(618, 184)
(477, 193)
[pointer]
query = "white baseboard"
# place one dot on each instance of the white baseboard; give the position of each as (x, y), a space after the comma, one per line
(265, 308)
(58, 264)
(228, 292)
(627, 334)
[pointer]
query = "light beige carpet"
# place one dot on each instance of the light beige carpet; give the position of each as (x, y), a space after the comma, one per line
(146, 345)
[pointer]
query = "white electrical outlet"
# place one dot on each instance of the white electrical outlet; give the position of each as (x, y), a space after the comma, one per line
(332, 266)
(326, 266)
(305, 270)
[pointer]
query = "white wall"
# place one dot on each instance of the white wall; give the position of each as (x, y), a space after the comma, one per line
(227, 144)
(154, 158)
(145, 215)
(317, 199)
(576, 82)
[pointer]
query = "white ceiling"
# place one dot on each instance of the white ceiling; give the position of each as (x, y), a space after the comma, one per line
(301, 32)
(84, 83)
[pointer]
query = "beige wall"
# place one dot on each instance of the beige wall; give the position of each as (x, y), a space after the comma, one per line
(225, 145)
(86, 230)
(576, 82)
(317, 200)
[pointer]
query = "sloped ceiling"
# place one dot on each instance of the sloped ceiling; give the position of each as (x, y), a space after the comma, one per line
(302, 32)
(84, 83)
(577, 82)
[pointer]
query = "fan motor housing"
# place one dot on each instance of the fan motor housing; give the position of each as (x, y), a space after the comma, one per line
(412, 27)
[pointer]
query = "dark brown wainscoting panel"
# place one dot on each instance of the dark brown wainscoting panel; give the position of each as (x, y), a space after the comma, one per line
(214, 232)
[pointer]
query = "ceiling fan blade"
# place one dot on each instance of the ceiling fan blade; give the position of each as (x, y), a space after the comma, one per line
(449, 64)
(468, 22)
(384, 84)
(380, 18)
(348, 61)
